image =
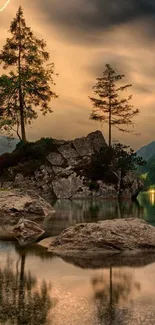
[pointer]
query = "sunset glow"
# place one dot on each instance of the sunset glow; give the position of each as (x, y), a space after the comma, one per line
(81, 39)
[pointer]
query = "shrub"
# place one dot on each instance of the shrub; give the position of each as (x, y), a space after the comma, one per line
(93, 185)
(28, 156)
(106, 163)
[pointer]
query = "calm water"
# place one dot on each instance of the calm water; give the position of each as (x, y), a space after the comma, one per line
(37, 288)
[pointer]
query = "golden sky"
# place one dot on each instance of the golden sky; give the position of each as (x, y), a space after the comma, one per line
(82, 36)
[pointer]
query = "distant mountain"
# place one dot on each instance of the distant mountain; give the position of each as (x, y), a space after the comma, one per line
(147, 172)
(148, 151)
(7, 146)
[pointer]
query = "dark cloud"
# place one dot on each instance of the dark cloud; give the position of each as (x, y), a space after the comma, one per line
(84, 18)
(118, 62)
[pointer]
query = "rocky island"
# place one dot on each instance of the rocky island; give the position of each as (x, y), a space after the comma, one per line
(58, 169)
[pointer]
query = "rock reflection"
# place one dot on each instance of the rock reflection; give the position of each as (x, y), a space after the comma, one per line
(114, 296)
(22, 300)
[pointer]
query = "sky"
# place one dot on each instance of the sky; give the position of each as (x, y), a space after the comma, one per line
(82, 36)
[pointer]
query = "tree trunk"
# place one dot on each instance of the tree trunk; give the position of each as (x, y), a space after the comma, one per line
(120, 183)
(22, 121)
(109, 113)
(109, 129)
(23, 134)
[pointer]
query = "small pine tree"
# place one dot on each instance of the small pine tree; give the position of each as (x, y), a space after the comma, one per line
(27, 85)
(109, 107)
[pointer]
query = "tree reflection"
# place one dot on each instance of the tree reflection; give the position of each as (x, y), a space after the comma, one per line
(69, 213)
(113, 296)
(21, 301)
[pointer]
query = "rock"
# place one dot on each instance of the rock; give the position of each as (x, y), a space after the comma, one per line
(66, 172)
(67, 151)
(83, 146)
(19, 178)
(55, 159)
(97, 140)
(106, 191)
(14, 203)
(86, 146)
(131, 186)
(27, 231)
(57, 170)
(65, 188)
(105, 237)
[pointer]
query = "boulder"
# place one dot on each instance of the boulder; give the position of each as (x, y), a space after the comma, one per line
(14, 203)
(27, 231)
(120, 236)
(86, 146)
(97, 140)
(83, 146)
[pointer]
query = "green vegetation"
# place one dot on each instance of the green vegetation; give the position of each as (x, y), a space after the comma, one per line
(27, 84)
(110, 107)
(111, 164)
(27, 157)
(147, 173)
(143, 176)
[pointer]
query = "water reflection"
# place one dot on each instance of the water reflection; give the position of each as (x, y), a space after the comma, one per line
(114, 297)
(77, 211)
(147, 201)
(69, 213)
(104, 296)
(22, 300)
(152, 197)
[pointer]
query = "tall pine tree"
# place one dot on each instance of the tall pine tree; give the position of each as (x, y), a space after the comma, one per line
(28, 82)
(109, 106)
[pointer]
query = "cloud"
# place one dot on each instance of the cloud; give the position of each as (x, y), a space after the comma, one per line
(82, 36)
(85, 19)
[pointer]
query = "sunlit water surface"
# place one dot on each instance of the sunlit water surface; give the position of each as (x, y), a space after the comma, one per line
(37, 288)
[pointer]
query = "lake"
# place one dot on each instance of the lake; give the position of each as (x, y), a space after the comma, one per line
(37, 288)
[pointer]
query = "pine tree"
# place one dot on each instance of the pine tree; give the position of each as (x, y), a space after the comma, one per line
(27, 84)
(110, 107)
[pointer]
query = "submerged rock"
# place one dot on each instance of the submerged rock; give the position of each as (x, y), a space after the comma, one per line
(27, 231)
(105, 237)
